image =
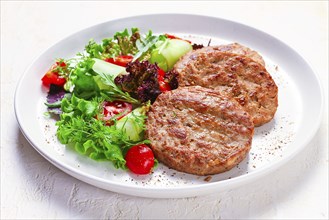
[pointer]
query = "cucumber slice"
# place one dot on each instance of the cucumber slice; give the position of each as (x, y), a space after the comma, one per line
(167, 55)
(132, 124)
(101, 66)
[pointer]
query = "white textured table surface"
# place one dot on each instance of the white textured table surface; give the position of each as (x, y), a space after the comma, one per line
(33, 188)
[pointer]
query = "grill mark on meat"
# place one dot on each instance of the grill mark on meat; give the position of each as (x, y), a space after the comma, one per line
(179, 133)
(238, 49)
(218, 132)
(235, 75)
(202, 133)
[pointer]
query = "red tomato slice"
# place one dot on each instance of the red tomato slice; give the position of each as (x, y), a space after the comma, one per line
(140, 159)
(52, 76)
(170, 36)
(163, 85)
(111, 109)
(120, 60)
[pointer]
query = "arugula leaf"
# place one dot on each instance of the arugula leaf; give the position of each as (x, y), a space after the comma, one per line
(113, 92)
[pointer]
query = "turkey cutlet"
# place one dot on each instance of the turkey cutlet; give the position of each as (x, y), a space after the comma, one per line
(236, 75)
(199, 130)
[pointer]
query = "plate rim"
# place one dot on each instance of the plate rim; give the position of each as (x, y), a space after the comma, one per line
(163, 192)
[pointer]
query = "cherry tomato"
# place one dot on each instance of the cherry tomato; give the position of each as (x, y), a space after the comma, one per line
(52, 76)
(163, 85)
(140, 159)
(170, 36)
(120, 60)
(111, 109)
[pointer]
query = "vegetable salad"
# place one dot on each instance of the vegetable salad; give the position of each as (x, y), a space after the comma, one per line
(102, 95)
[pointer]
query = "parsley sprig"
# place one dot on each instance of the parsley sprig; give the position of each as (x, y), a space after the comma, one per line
(79, 127)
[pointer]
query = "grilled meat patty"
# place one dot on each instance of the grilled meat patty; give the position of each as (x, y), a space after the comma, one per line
(199, 130)
(236, 75)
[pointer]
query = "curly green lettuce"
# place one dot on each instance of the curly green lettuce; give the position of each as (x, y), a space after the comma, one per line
(80, 127)
(122, 43)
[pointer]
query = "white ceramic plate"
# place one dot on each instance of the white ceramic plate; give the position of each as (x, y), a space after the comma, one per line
(295, 123)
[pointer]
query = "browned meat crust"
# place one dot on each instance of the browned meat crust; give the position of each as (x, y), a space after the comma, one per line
(239, 76)
(240, 49)
(198, 130)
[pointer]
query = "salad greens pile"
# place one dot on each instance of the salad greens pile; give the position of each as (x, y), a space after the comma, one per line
(79, 127)
(126, 70)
